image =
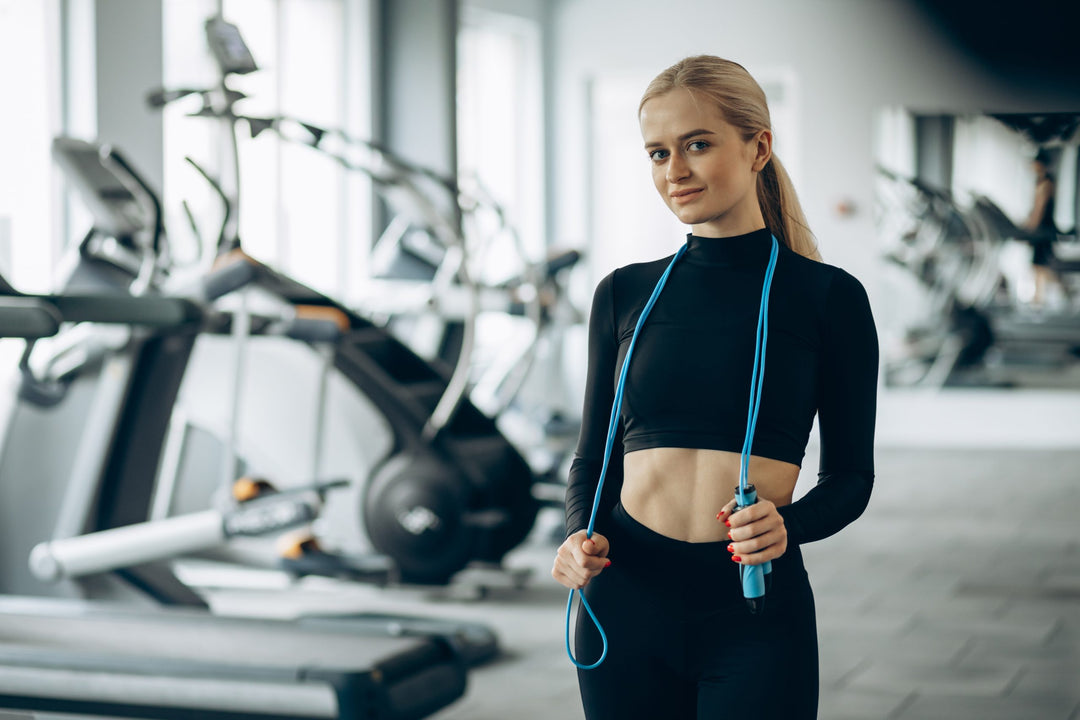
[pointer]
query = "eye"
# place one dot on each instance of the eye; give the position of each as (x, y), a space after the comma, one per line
(698, 146)
(658, 155)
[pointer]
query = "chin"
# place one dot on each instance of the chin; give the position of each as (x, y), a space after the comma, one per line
(690, 220)
(685, 217)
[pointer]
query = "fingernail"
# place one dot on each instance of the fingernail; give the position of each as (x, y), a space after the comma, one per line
(729, 536)
(728, 523)
(719, 514)
(731, 548)
(607, 564)
(736, 558)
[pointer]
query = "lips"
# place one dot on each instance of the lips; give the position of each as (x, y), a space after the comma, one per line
(685, 195)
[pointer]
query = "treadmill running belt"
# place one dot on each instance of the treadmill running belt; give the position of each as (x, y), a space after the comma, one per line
(183, 664)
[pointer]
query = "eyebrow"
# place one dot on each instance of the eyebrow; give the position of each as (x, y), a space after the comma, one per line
(683, 137)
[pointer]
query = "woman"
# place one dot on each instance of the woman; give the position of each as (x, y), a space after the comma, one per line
(1040, 224)
(662, 568)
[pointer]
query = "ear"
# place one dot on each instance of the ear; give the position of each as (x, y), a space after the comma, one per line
(762, 144)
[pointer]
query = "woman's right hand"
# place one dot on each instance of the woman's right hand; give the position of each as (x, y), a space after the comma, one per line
(580, 559)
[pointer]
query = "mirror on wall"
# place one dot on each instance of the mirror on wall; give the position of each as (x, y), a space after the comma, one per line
(976, 221)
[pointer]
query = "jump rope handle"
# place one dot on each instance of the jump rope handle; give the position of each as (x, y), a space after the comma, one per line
(755, 578)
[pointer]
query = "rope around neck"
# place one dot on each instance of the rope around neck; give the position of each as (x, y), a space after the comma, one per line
(756, 382)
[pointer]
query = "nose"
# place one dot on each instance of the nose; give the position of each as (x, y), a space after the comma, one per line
(677, 168)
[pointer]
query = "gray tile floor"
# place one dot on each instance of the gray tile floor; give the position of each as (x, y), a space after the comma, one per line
(956, 595)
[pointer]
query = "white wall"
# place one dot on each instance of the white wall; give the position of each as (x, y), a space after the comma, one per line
(849, 58)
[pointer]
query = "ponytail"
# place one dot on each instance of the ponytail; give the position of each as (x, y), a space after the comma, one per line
(782, 212)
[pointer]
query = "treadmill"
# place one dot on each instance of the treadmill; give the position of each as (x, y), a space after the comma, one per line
(77, 656)
(84, 658)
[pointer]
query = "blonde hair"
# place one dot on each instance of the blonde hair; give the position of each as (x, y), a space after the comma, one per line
(742, 103)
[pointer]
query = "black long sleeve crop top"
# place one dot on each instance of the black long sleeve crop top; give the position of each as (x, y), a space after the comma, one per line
(689, 379)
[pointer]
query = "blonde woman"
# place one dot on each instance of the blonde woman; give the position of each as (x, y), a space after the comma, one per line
(747, 337)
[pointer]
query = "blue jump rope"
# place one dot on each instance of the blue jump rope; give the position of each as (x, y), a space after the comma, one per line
(752, 576)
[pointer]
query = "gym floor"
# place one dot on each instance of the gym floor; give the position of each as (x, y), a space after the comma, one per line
(957, 595)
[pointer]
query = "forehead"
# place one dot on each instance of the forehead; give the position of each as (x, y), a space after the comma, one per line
(679, 111)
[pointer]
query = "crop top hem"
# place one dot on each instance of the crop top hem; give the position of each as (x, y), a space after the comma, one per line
(697, 440)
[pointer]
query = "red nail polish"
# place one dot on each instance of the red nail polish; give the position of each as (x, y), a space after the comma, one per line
(731, 548)
(736, 558)
(728, 523)
(719, 514)
(729, 536)
(607, 564)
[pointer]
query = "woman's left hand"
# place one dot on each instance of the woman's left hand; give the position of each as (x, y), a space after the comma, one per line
(757, 532)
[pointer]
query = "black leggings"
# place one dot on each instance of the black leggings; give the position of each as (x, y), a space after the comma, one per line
(683, 644)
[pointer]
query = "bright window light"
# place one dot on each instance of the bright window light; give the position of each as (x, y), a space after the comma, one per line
(299, 211)
(30, 85)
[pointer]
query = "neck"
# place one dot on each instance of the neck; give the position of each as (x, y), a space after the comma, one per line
(713, 234)
(750, 249)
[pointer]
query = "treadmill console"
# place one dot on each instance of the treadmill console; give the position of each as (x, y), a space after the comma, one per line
(101, 183)
(228, 47)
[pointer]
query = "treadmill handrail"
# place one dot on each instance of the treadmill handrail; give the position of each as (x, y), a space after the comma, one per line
(145, 311)
(155, 540)
(113, 309)
(29, 318)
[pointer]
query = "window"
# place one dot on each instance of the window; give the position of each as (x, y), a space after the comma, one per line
(30, 227)
(299, 210)
(500, 127)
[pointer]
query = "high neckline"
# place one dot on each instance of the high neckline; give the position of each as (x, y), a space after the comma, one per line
(750, 249)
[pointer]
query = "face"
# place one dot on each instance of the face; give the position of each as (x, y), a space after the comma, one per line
(703, 169)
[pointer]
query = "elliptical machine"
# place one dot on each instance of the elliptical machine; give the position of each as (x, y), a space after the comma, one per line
(435, 484)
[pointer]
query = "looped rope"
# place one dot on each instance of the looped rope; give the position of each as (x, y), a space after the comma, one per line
(616, 409)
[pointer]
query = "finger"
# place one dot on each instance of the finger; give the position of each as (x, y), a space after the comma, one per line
(580, 557)
(760, 527)
(566, 570)
(750, 533)
(597, 545)
(573, 562)
(574, 576)
(569, 573)
(568, 581)
(758, 543)
(725, 512)
(744, 527)
(594, 564)
(770, 553)
(752, 513)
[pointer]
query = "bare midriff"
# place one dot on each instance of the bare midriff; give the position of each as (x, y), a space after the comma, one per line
(677, 492)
